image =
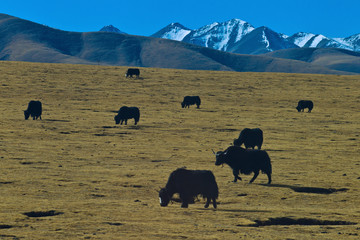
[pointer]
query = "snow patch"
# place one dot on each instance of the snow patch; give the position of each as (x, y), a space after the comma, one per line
(266, 41)
(316, 40)
(303, 39)
(177, 34)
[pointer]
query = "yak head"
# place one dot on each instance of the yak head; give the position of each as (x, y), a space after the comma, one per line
(298, 108)
(117, 119)
(164, 197)
(220, 157)
(183, 104)
(26, 114)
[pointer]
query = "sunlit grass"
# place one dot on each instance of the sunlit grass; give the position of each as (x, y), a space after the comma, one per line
(104, 177)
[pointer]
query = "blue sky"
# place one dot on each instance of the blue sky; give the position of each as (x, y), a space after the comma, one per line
(332, 18)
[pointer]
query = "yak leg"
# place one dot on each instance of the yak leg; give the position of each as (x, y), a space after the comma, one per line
(256, 173)
(207, 202)
(269, 177)
(185, 203)
(125, 121)
(214, 202)
(236, 175)
(184, 200)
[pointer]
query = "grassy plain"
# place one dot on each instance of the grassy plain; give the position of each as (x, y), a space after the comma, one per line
(103, 178)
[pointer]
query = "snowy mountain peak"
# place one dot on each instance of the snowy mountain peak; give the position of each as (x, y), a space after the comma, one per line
(239, 36)
(174, 31)
(310, 40)
(220, 36)
(301, 38)
(353, 42)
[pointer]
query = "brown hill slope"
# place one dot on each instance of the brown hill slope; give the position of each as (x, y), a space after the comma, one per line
(333, 58)
(22, 40)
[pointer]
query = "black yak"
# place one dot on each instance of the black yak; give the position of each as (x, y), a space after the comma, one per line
(302, 104)
(132, 71)
(250, 138)
(34, 110)
(191, 100)
(189, 184)
(245, 161)
(126, 113)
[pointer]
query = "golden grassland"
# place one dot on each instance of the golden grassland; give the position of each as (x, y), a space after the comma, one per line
(102, 179)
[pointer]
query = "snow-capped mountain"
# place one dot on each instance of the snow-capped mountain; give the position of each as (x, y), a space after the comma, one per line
(238, 36)
(174, 31)
(301, 38)
(221, 36)
(353, 42)
(310, 40)
(262, 40)
(110, 28)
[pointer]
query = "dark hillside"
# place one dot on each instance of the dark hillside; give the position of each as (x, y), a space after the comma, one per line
(332, 58)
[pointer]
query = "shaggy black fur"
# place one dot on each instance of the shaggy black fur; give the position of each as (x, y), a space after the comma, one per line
(245, 161)
(191, 100)
(302, 104)
(126, 113)
(189, 184)
(132, 71)
(34, 110)
(250, 138)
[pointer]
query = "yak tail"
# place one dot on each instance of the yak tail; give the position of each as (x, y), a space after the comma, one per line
(267, 168)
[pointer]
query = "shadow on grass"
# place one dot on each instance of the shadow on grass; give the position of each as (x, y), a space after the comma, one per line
(286, 221)
(316, 190)
(43, 213)
(55, 120)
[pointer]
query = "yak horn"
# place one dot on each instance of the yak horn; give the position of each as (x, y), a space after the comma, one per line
(213, 151)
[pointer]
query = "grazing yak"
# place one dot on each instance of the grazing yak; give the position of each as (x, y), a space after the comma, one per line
(132, 71)
(250, 138)
(191, 100)
(34, 110)
(126, 113)
(245, 161)
(189, 184)
(302, 104)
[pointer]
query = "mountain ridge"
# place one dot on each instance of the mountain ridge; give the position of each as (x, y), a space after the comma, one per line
(23, 40)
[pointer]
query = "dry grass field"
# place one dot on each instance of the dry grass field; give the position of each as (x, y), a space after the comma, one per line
(98, 180)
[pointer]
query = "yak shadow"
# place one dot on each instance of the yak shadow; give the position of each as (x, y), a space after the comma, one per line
(316, 190)
(286, 221)
(240, 210)
(43, 213)
(55, 120)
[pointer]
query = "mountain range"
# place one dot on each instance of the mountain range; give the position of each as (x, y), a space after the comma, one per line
(23, 40)
(238, 36)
